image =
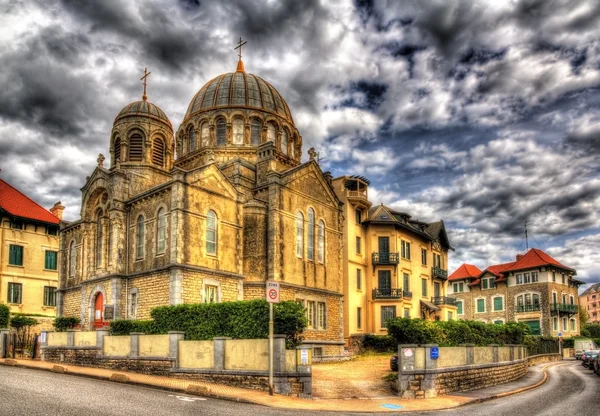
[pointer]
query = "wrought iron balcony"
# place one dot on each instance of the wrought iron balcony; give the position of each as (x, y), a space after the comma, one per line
(565, 308)
(387, 293)
(382, 257)
(439, 273)
(443, 300)
(528, 308)
(406, 294)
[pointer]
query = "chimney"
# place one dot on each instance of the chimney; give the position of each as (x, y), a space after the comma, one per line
(519, 257)
(57, 210)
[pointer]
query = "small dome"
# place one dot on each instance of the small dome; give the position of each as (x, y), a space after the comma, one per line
(144, 109)
(239, 89)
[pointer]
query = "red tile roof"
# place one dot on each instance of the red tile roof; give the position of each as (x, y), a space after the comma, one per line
(19, 205)
(465, 271)
(496, 269)
(535, 258)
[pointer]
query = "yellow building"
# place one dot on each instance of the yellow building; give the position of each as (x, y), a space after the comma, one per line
(28, 253)
(394, 266)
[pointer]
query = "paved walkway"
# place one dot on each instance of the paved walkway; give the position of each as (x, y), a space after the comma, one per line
(535, 377)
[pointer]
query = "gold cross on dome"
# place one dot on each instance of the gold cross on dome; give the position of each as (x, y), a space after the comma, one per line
(240, 44)
(144, 78)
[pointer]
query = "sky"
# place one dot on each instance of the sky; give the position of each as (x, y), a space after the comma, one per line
(485, 114)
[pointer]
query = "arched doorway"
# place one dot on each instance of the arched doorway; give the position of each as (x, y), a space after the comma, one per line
(99, 311)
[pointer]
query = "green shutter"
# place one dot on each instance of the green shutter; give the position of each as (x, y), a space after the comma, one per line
(15, 256)
(50, 263)
(459, 308)
(498, 304)
(480, 305)
(484, 283)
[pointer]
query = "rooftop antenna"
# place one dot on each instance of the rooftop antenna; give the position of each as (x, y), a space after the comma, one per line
(526, 237)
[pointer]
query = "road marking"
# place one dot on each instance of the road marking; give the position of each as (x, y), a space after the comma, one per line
(187, 399)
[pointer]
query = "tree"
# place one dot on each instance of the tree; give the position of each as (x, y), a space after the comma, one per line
(584, 317)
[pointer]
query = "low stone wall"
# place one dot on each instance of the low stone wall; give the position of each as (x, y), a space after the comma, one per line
(543, 358)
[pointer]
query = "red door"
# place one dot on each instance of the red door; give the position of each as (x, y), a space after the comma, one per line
(99, 311)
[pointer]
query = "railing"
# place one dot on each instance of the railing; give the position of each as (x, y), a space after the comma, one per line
(443, 300)
(406, 294)
(387, 293)
(565, 307)
(385, 258)
(356, 194)
(438, 272)
(528, 308)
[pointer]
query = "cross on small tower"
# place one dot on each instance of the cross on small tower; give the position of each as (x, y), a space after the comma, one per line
(240, 44)
(146, 73)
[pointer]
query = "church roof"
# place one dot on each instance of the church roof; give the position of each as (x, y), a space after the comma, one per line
(144, 109)
(20, 205)
(239, 89)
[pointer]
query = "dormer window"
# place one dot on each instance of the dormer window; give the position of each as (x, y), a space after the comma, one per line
(488, 283)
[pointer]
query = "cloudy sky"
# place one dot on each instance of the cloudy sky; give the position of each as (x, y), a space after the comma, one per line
(482, 113)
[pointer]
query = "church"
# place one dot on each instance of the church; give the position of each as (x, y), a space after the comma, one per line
(206, 213)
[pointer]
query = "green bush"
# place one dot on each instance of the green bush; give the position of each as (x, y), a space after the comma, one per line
(19, 322)
(379, 343)
(585, 333)
(542, 344)
(4, 315)
(126, 327)
(62, 323)
(414, 331)
(592, 329)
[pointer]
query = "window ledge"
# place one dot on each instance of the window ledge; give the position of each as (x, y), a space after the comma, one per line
(16, 265)
(50, 270)
(160, 254)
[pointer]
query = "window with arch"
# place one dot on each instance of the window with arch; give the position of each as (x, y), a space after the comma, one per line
(292, 148)
(271, 132)
(311, 234)
(238, 131)
(284, 141)
(205, 134)
(72, 259)
(99, 238)
(192, 139)
(321, 242)
(135, 147)
(117, 150)
(221, 132)
(139, 238)
(299, 234)
(158, 152)
(255, 130)
(161, 231)
(211, 232)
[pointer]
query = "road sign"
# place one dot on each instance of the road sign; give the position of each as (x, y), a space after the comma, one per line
(435, 353)
(272, 291)
(560, 334)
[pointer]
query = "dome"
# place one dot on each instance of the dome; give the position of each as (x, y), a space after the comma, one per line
(144, 109)
(239, 89)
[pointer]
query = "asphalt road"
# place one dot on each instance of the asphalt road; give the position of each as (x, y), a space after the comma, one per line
(570, 389)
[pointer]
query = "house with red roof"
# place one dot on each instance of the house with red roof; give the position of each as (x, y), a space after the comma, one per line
(29, 246)
(535, 289)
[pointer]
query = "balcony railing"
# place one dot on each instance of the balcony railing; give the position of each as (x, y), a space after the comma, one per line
(443, 300)
(357, 195)
(565, 307)
(528, 308)
(387, 293)
(385, 258)
(406, 294)
(439, 273)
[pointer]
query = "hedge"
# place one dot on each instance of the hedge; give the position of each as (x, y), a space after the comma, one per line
(19, 322)
(4, 315)
(453, 333)
(542, 344)
(240, 320)
(379, 343)
(62, 323)
(592, 330)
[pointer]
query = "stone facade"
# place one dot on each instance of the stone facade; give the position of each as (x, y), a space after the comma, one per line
(210, 222)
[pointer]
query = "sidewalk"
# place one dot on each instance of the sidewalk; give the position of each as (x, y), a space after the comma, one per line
(535, 377)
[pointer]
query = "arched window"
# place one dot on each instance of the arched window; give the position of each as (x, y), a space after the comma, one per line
(321, 242)
(161, 233)
(311, 234)
(292, 148)
(158, 152)
(211, 232)
(117, 151)
(139, 252)
(72, 259)
(299, 234)
(205, 134)
(221, 132)
(271, 132)
(255, 129)
(192, 139)
(238, 131)
(135, 148)
(284, 141)
(99, 238)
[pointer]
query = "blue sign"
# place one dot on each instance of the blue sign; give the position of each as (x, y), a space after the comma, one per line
(435, 353)
(391, 406)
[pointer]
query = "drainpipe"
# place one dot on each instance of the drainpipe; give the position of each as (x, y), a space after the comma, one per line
(127, 267)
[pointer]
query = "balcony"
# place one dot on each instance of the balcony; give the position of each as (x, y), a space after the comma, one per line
(564, 308)
(439, 273)
(385, 258)
(443, 300)
(528, 308)
(387, 293)
(406, 294)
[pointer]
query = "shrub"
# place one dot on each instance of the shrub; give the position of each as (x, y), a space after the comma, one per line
(126, 327)
(592, 329)
(62, 323)
(20, 322)
(379, 343)
(4, 315)
(541, 344)
(413, 331)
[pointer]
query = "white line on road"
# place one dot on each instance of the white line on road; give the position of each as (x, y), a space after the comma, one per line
(187, 399)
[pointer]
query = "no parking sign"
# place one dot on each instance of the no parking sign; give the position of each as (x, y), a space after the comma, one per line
(272, 291)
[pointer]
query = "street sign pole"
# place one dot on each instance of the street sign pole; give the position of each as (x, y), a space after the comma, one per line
(272, 295)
